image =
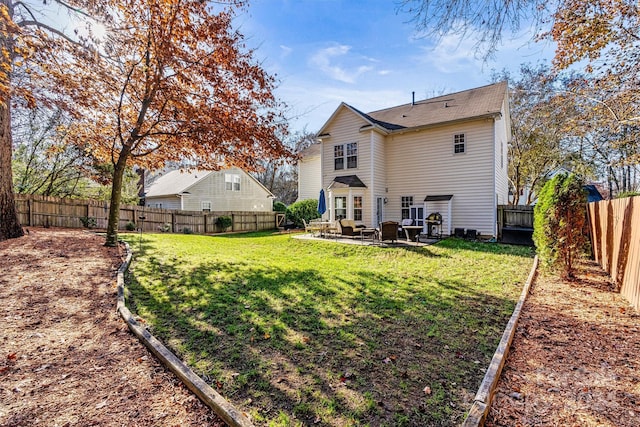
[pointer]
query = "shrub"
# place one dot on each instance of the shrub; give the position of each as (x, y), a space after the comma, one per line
(224, 222)
(165, 228)
(88, 222)
(187, 230)
(304, 209)
(279, 207)
(627, 194)
(559, 223)
(131, 226)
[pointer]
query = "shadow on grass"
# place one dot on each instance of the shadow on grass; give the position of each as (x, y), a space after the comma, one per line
(296, 346)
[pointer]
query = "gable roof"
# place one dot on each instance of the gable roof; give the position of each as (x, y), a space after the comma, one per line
(485, 101)
(179, 181)
(347, 181)
(175, 182)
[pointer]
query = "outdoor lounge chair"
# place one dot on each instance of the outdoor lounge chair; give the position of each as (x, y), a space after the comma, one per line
(389, 231)
(348, 227)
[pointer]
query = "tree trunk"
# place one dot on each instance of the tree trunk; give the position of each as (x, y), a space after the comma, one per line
(116, 196)
(9, 224)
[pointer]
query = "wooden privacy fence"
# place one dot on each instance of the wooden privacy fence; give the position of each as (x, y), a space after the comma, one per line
(615, 236)
(44, 211)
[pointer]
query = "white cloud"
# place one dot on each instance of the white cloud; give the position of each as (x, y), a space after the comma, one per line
(324, 60)
(452, 54)
(285, 51)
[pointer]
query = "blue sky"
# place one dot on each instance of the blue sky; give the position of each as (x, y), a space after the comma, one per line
(365, 53)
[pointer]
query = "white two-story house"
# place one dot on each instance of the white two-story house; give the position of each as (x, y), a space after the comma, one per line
(446, 154)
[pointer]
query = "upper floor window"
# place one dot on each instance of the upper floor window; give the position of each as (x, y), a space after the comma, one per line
(348, 155)
(231, 182)
(352, 155)
(407, 201)
(459, 143)
(206, 206)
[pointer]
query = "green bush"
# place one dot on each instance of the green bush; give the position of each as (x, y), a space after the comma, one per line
(187, 230)
(559, 223)
(131, 226)
(88, 222)
(627, 194)
(224, 222)
(304, 209)
(279, 207)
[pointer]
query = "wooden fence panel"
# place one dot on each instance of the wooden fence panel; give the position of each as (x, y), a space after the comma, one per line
(615, 237)
(35, 210)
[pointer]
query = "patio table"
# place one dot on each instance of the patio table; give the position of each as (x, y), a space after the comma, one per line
(411, 231)
(368, 232)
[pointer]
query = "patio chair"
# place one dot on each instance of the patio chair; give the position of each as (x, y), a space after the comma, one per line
(389, 231)
(348, 227)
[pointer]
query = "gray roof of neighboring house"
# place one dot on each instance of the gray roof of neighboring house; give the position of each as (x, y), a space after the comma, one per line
(473, 103)
(175, 182)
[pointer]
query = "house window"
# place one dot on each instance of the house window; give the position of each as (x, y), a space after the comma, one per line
(206, 206)
(357, 208)
(406, 203)
(458, 143)
(341, 207)
(338, 157)
(231, 182)
(350, 156)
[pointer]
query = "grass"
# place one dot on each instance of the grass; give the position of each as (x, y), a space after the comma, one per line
(317, 333)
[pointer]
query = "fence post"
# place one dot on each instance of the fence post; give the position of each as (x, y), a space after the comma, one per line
(30, 211)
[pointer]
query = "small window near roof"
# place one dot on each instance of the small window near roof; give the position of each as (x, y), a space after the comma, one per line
(458, 143)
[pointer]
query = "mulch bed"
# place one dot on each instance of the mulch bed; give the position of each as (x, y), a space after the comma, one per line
(575, 357)
(66, 357)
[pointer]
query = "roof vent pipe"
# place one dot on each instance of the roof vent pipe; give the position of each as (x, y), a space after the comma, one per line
(413, 98)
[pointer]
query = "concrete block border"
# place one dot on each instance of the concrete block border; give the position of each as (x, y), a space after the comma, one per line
(482, 402)
(232, 416)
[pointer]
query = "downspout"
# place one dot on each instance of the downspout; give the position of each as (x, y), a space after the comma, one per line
(372, 191)
(495, 185)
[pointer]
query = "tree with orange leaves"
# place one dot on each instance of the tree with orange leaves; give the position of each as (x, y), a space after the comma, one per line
(171, 82)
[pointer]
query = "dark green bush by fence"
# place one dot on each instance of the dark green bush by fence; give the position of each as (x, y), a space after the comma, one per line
(559, 223)
(304, 209)
(279, 207)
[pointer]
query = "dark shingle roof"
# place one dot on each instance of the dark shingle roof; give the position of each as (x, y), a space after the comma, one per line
(347, 181)
(477, 102)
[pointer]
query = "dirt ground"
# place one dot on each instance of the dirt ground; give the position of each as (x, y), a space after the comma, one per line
(575, 358)
(66, 357)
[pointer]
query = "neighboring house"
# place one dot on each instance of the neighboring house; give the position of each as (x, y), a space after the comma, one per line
(446, 154)
(210, 191)
(309, 173)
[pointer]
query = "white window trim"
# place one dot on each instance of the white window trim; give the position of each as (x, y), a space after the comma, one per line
(464, 143)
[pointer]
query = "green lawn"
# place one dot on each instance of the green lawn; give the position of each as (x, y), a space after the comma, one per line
(297, 332)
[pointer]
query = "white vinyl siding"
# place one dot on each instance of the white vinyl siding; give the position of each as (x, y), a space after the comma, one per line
(309, 178)
(502, 137)
(344, 129)
(167, 202)
(423, 163)
(251, 196)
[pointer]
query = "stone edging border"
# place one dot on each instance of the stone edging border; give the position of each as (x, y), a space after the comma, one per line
(208, 395)
(482, 402)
